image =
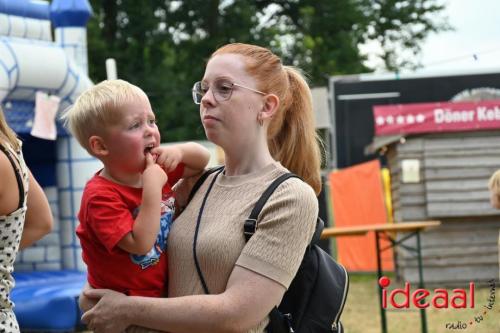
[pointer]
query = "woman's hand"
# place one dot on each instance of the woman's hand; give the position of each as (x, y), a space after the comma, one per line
(109, 314)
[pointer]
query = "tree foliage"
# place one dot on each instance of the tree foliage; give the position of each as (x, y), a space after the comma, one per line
(163, 45)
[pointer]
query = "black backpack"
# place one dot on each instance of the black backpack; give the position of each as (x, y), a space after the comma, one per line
(315, 299)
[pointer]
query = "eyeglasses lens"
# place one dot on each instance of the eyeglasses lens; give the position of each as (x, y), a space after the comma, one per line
(197, 93)
(221, 89)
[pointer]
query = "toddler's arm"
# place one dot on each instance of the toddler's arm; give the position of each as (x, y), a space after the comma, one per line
(86, 303)
(194, 156)
(146, 226)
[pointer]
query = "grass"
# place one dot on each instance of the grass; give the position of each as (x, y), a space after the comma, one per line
(362, 312)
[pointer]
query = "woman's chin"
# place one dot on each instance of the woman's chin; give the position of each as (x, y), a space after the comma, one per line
(211, 134)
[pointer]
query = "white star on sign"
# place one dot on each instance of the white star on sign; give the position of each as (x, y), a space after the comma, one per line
(389, 120)
(420, 118)
(400, 120)
(410, 119)
(380, 121)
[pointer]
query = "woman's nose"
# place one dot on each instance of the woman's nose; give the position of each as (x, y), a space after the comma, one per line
(208, 98)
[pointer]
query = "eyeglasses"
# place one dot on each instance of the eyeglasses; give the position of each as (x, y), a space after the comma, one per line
(222, 90)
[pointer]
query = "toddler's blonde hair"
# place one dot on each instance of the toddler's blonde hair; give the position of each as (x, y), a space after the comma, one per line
(98, 107)
(494, 183)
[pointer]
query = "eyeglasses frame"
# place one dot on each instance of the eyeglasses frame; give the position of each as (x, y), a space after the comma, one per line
(230, 95)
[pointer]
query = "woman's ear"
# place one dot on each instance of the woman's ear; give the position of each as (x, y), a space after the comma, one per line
(270, 107)
(97, 146)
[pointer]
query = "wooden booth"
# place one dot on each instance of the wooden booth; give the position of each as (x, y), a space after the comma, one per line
(440, 157)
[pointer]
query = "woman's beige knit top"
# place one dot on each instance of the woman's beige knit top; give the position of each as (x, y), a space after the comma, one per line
(285, 228)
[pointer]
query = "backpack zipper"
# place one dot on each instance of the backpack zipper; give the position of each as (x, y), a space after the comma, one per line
(288, 318)
(335, 325)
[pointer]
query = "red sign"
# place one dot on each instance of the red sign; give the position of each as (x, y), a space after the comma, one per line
(436, 117)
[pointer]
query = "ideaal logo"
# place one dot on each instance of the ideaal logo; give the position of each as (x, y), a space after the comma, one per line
(490, 302)
(440, 299)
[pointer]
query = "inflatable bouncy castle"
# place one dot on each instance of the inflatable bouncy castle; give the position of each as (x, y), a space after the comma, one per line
(40, 76)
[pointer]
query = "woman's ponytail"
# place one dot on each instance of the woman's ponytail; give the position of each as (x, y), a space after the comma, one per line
(292, 135)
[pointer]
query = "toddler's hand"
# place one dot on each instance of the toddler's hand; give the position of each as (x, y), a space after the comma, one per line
(153, 173)
(168, 157)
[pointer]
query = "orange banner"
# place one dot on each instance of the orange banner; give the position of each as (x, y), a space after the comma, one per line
(358, 198)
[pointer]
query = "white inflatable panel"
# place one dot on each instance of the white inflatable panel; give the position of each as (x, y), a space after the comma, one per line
(38, 29)
(63, 175)
(76, 83)
(27, 66)
(9, 70)
(83, 170)
(4, 24)
(77, 151)
(41, 65)
(74, 41)
(16, 26)
(74, 168)
(24, 27)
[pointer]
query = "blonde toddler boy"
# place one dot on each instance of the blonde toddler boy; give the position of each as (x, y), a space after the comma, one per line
(128, 206)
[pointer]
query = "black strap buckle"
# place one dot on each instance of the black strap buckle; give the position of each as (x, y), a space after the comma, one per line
(249, 228)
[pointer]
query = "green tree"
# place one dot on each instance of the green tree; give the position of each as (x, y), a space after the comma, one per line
(400, 27)
(162, 45)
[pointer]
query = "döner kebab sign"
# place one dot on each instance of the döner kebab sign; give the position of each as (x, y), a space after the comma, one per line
(436, 117)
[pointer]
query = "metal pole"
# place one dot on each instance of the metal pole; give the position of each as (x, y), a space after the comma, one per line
(111, 69)
(383, 320)
(423, 317)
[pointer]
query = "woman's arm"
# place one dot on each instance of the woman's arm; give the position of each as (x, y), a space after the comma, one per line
(249, 297)
(38, 221)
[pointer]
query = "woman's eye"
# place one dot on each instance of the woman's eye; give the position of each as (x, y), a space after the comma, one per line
(152, 122)
(134, 125)
(224, 88)
(203, 89)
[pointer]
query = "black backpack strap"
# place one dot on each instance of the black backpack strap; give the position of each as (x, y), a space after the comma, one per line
(250, 225)
(201, 180)
(251, 222)
(17, 172)
(320, 225)
(278, 322)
